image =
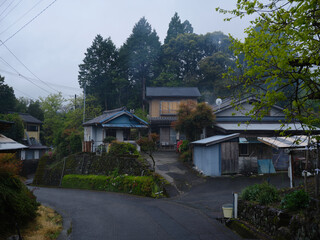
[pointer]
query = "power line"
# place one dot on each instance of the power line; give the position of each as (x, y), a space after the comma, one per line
(11, 10)
(21, 17)
(34, 79)
(23, 76)
(15, 89)
(3, 3)
(6, 8)
(3, 42)
(26, 66)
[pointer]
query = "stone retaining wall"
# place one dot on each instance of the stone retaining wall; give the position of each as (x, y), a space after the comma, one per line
(279, 224)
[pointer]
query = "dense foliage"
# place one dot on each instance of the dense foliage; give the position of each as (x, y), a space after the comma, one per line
(193, 118)
(138, 185)
(281, 57)
(263, 193)
(16, 131)
(17, 204)
(121, 148)
(296, 200)
(7, 97)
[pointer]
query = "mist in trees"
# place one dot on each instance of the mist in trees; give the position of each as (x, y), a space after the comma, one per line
(119, 77)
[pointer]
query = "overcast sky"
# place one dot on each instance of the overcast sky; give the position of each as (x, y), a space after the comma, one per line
(52, 44)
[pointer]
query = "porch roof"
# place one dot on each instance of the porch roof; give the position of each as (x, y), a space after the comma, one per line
(9, 144)
(286, 142)
(263, 127)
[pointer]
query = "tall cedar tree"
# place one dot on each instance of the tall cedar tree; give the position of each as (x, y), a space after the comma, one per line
(176, 28)
(140, 58)
(98, 69)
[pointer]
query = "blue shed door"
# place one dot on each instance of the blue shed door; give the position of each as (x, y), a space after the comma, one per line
(207, 159)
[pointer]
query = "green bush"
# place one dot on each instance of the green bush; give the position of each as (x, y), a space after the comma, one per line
(263, 193)
(122, 148)
(138, 185)
(109, 139)
(296, 200)
(17, 203)
(186, 156)
(184, 147)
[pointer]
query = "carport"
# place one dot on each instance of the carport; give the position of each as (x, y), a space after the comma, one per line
(293, 146)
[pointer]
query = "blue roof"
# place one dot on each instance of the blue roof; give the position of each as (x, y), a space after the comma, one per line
(118, 118)
(215, 139)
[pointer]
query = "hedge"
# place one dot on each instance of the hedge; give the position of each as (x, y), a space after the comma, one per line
(138, 185)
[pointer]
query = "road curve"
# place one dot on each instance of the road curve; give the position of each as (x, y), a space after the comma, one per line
(104, 215)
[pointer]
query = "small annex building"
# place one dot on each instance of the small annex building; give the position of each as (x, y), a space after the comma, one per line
(119, 123)
(217, 155)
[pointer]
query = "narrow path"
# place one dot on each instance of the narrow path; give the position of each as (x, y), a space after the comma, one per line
(175, 172)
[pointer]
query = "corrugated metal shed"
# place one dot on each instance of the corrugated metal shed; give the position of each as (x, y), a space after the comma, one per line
(215, 139)
(172, 92)
(217, 155)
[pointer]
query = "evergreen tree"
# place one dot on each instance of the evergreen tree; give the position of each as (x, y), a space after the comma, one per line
(7, 97)
(139, 57)
(98, 70)
(176, 28)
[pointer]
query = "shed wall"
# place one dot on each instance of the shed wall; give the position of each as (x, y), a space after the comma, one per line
(207, 159)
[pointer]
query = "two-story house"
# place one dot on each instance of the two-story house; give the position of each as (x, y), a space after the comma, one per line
(32, 137)
(163, 107)
(31, 126)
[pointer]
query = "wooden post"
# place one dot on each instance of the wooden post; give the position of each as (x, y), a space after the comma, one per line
(291, 170)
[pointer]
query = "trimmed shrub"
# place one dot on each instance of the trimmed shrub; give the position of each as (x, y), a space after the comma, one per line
(122, 148)
(296, 200)
(138, 185)
(263, 193)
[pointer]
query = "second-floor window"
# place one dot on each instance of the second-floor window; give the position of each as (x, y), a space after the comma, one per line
(32, 128)
(169, 107)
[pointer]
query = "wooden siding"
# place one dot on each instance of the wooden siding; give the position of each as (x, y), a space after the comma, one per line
(229, 157)
(155, 105)
(154, 108)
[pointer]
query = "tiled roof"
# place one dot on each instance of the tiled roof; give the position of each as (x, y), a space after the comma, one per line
(172, 92)
(104, 116)
(27, 118)
(111, 114)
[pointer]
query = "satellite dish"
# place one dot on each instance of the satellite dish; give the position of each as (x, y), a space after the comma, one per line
(218, 102)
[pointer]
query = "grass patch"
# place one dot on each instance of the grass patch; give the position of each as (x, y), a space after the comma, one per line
(46, 226)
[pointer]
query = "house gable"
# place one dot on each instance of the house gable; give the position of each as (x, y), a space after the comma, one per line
(124, 121)
(227, 108)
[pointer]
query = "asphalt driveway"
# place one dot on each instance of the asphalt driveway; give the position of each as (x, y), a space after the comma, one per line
(103, 215)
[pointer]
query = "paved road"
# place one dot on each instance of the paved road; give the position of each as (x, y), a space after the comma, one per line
(103, 215)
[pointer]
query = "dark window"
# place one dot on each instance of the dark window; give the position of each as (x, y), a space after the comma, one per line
(111, 133)
(243, 149)
(32, 128)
